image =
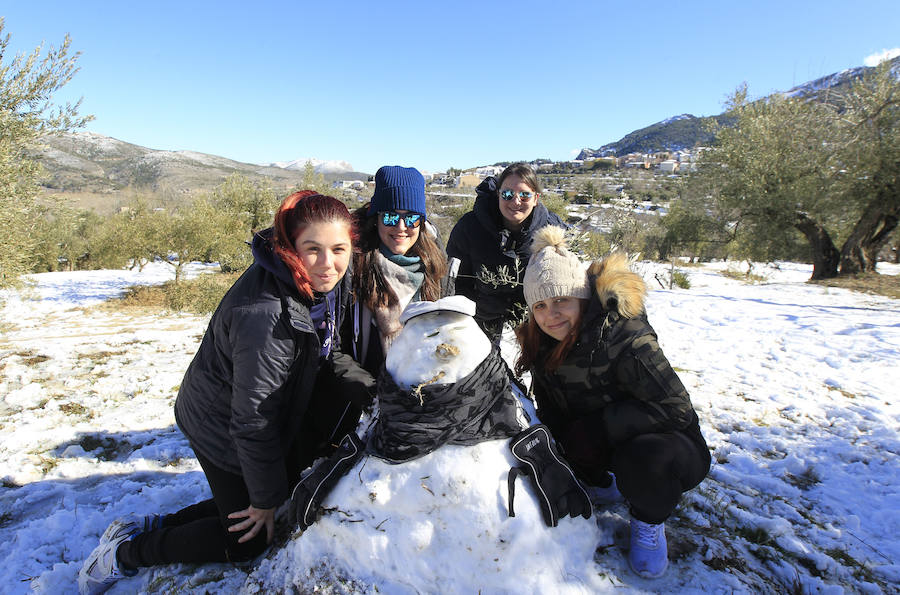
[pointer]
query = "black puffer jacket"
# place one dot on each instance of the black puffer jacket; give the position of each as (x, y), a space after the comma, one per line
(249, 385)
(616, 382)
(481, 242)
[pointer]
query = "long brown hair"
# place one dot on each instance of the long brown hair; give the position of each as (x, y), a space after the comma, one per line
(532, 341)
(296, 212)
(368, 281)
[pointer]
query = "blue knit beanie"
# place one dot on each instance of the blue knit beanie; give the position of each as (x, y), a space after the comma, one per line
(398, 188)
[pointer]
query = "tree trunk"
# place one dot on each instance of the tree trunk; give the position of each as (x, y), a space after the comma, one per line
(825, 256)
(859, 253)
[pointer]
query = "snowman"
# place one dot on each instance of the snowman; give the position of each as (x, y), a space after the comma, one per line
(443, 383)
(438, 522)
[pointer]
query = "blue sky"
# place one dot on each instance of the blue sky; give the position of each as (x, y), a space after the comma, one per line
(431, 84)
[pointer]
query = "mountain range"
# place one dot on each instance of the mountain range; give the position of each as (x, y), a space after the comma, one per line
(87, 163)
(90, 163)
(320, 167)
(687, 131)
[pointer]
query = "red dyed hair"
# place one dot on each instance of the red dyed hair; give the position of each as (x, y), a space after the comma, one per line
(296, 212)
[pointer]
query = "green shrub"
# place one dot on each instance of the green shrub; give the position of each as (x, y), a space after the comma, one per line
(680, 279)
(590, 245)
(555, 204)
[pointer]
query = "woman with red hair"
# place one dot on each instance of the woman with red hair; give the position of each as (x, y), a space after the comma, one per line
(259, 401)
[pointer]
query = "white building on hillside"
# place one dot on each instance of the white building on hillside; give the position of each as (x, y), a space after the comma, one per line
(669, 166)
(488, 170)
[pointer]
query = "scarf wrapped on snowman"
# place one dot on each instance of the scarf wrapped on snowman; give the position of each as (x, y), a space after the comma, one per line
(442, 383)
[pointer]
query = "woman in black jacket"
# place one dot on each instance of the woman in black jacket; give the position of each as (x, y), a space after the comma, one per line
(492, 243)
(258, 402)
(606, 391)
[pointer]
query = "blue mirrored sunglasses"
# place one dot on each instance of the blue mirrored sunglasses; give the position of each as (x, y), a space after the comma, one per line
(509, 195)
(392, 218)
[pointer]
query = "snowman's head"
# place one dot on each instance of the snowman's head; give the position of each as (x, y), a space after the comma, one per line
(440, 343)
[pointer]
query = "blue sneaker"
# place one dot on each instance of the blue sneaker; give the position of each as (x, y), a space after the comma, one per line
(648, 557)
(608, 495)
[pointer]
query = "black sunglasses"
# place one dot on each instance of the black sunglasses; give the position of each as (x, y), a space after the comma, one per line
(392, 218)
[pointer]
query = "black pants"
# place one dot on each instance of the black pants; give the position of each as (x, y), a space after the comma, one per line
(652, 470)
(199, 534)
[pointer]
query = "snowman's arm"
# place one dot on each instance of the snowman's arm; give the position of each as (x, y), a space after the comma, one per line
(357, 385)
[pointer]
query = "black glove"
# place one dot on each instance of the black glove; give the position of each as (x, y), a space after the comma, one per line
(558, 492)
(312, 489)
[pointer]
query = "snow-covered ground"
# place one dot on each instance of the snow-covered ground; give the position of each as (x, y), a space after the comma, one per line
(795, 386)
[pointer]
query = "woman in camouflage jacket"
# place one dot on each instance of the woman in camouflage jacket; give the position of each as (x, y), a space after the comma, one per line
(606, 391)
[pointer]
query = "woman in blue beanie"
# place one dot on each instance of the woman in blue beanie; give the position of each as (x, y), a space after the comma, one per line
(399, 261)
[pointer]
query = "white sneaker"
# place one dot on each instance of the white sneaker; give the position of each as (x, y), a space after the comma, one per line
(101, 569)
(648, 556)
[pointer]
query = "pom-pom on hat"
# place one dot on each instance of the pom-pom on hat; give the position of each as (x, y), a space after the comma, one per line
(553, 271)
(398, 189)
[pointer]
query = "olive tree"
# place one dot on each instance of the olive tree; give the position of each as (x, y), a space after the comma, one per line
(250, 208)
(195, 232)
(28, 82)
(827, 168)
(871, 116)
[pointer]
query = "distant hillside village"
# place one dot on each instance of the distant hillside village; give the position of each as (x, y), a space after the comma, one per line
(662, 162)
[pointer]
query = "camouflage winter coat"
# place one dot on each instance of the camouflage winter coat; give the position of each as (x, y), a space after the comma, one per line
(615, 380)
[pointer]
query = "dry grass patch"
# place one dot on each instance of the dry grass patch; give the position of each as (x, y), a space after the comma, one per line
(138, 297)
(99, 357)
(872, 283)
(745, 276)
(76, 409)
(200, 295)
(32, 358)
(845, 393)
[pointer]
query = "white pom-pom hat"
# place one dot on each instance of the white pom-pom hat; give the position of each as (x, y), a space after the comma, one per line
(553, 271)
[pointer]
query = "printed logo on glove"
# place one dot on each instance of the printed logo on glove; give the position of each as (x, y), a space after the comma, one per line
(558, 491)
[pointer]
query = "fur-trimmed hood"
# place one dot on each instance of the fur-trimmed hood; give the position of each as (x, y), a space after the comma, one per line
(616, 286)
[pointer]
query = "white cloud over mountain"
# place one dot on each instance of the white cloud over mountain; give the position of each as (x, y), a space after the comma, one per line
(879, 57)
